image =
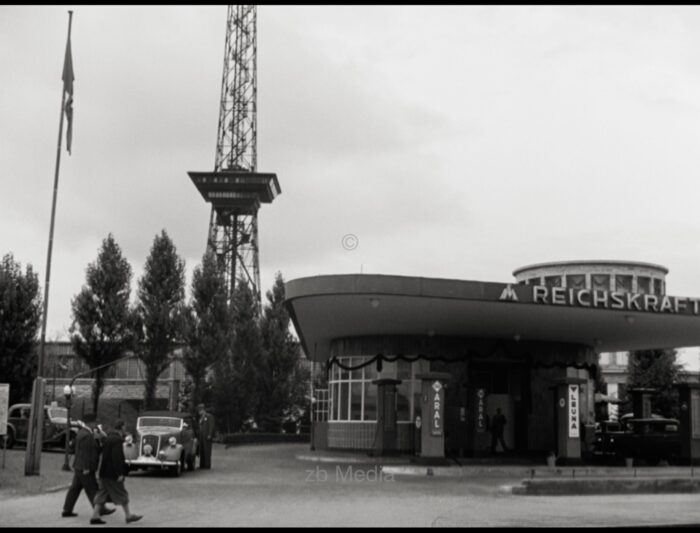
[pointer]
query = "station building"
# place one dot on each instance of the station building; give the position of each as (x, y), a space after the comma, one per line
(444, 354)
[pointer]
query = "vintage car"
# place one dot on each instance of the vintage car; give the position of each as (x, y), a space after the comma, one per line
(651, 440)
(54, 431)
(164, 440)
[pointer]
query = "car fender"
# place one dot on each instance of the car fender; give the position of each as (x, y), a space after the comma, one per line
(131, 451)
(171, 453)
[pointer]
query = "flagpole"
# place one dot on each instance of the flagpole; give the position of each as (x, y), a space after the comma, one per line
(32, 459)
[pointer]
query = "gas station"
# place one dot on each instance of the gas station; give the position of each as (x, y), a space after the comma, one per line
(420, 365)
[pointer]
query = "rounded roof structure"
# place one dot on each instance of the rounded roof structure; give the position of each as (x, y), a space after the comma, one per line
(591, 263)
(325, 308)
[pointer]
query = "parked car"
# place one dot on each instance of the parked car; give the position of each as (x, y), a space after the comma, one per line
(164, 440)
(54, 431)
(651, 439)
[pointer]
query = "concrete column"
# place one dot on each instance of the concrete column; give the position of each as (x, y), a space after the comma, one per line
(569, 420)
(386, 441)
(433, 410)
(689, 399)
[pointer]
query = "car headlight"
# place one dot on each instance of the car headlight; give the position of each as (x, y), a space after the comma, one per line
(612, 440)
(172, 441)
(129, 439)
(147, 449)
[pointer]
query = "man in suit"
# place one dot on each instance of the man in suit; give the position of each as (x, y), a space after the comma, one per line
(498, 424)
(112, 473)
(206, 433)
(85, 464)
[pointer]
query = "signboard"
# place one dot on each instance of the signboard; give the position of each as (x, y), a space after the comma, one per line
(480, 410)
(594, 298)
(695, 413)
(438, 396)
(573, 411)
(4, 406)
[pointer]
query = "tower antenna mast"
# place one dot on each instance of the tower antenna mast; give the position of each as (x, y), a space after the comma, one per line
(235, 189)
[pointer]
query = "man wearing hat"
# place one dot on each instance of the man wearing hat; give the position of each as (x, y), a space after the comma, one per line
(84, 467)
(206, 433)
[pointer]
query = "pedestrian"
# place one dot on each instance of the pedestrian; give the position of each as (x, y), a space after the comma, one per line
(85, 462)
(498, 423)
(112, 472)
(206, 433)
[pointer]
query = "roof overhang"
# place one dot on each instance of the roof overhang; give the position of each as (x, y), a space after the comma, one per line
(324, 308)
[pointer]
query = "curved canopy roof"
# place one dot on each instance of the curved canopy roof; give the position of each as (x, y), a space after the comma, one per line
(324, 308)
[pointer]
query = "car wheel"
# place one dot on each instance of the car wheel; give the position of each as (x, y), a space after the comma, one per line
(177, 469)
(10, 438)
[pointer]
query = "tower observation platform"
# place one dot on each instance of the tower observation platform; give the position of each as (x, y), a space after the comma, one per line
(236, 192)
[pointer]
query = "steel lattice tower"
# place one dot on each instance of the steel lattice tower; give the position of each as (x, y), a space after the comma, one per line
(235, 188)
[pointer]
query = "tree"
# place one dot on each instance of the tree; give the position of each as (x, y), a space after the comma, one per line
(102, 322)
(20, 316)
(235, 384)
(160, 311)
(659, 370)
(208, 323)
(283, 382)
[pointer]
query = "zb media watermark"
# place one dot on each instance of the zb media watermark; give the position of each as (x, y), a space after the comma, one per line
(347, 473)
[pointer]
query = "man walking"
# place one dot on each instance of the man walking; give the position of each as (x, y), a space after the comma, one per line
(85, 464)
(112, 473)
(498, 424)
(206, 433)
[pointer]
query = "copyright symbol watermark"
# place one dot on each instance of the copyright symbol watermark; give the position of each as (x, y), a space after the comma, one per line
(350, 241)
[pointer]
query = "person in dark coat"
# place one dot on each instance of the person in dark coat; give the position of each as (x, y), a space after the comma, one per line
(206, 434)
(498, 424)
(85, 462)
(112, 472)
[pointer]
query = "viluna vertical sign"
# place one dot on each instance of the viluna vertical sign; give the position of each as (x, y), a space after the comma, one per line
(573, 411)
(436, 409)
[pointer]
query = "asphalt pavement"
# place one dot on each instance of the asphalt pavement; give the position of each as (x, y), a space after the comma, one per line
(267, 485)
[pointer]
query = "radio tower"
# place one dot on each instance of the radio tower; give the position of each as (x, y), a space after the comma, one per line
(235, 189)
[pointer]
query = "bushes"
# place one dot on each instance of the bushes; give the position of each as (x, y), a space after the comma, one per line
(235, 439)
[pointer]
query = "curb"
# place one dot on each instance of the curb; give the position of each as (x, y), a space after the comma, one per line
(57, 488)
(350, 459)
(554, 487)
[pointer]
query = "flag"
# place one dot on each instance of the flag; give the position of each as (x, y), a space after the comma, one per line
(68, 88)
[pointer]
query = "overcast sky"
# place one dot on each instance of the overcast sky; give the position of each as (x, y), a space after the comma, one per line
(457, 142)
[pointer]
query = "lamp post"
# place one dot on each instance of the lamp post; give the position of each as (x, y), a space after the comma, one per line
(68, 392)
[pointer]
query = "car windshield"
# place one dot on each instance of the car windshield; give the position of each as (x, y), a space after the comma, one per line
(162, 421)
(58, 412)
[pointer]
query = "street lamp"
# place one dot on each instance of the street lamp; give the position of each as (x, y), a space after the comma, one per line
(68, 392)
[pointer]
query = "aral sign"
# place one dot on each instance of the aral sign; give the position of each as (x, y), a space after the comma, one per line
(438, 395)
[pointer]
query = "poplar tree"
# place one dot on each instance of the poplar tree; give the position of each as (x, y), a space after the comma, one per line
(20, 319)
(160, 311)
(656, 369)
(236, 388)
(208, 324)
(102, 322)
(282, 381)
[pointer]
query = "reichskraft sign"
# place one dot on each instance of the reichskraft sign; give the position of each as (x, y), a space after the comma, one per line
(626, 301)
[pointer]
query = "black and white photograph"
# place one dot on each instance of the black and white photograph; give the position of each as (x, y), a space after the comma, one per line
(349, 266)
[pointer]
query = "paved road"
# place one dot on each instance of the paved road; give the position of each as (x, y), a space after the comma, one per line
(267, 486)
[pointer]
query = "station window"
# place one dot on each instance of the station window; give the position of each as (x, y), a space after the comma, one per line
(600, 282)
(552, 281)
(576, 281)
(353, 396)
(658, 286)
(643, 284)
(623, 283)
